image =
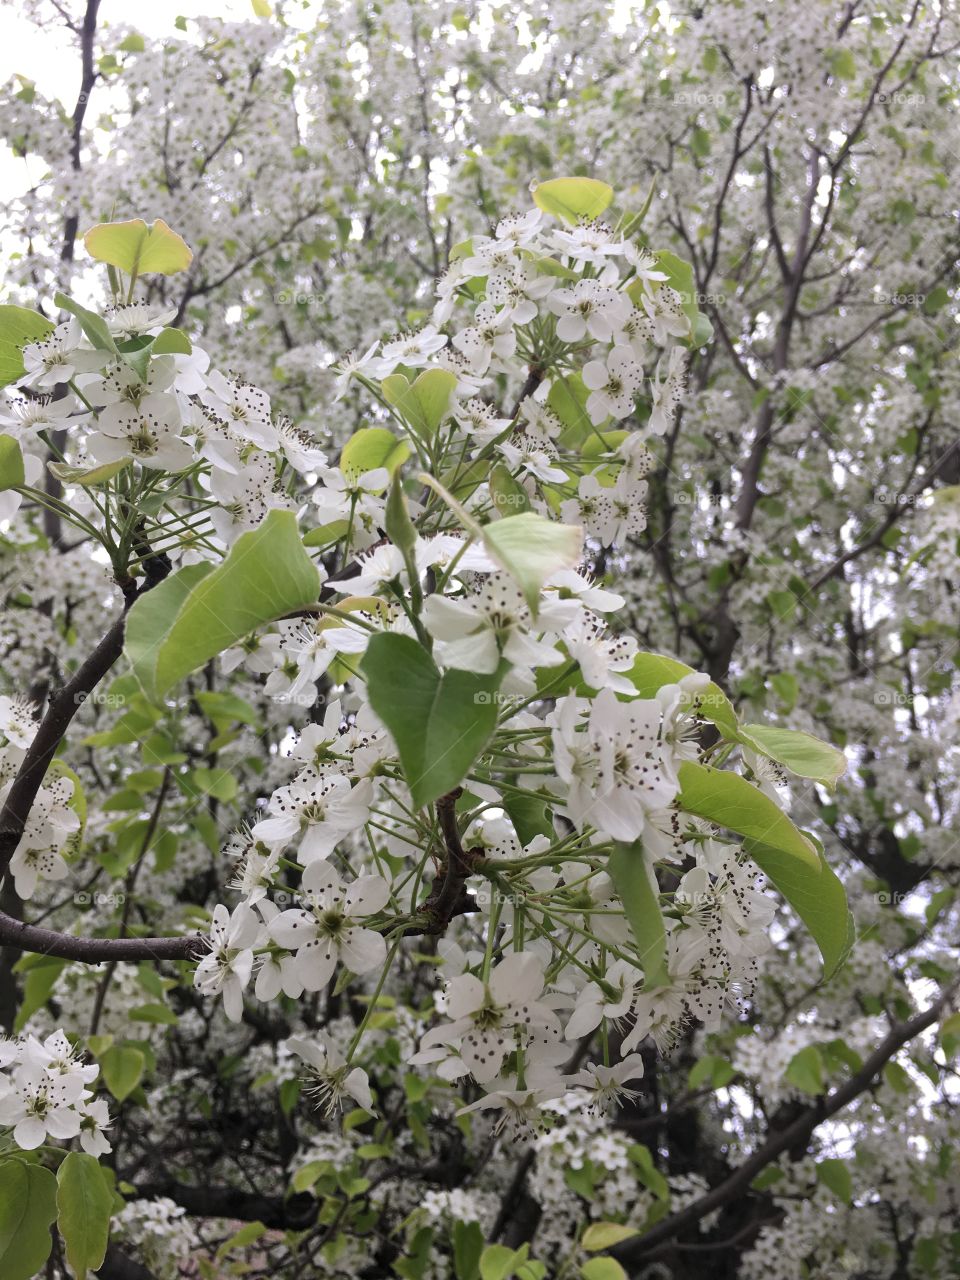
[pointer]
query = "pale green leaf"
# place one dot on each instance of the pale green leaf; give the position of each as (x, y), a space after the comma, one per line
(422, 404)
(372, 448)
(835, 1175)
(602, 1269)
(641, 905)
(11, 464)
(604, 1235)
(731, 801)
(28, 1205)
(88, 477)
(571, 199)
(805, 1070)
(122, 1069)
(532, 549)
(138, 248)
(18, 328)
(84, 1206)
(200, 611)
(801, 753)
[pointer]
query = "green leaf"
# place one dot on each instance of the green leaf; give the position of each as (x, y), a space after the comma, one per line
(171, 342)
(397, 520)
(305, 1177)
(200, 610)
(219, 783)
(604, 1235)
(819, 900)
(422, 404)
(711, 1067)
(679, 275)
(372, 448)
(28, 1205)
(138, 248)
(467, 1248)
(84, 1206)
(440, 723)
(603, 1268)
(94, 326)
(731, 801)
(88, 476)
(42, 973)
(647, 1171)
(787, 689)
(158, 1014)
(12, 474)
(651, 671)
(842, 64)
(248, 1233)
(530, 815)
(641, 905)
(497, 1262)
(531, 549)
(568, 399)
(835, 1174)
(802, 753)
(805, 1070)
(509, 496)
(571, 199)
(122, 1068)
(18, 328)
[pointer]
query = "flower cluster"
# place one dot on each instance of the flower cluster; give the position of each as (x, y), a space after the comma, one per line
(553, 359)
(44, 1094)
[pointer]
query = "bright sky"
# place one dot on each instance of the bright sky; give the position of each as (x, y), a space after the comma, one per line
(50, 58)
(46, 58)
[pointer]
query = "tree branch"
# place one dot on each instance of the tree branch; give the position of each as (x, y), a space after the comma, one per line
(798, 1132)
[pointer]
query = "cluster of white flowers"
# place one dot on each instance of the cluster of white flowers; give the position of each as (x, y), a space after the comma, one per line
(161, 1232)
(51, 822)
(581, 324)
(44, 1094)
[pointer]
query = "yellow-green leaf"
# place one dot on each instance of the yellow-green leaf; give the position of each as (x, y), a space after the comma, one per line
(18, 328)
(531, 549)
(11, 464)
(604, 1235)
(801, 753)
(139, 248)
(573, 198)
(369, 449)
(201, 610)
(28, 1205)
(84, 1205)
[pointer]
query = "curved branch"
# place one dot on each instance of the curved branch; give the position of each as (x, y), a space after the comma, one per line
(49, 942)
(798, 1132)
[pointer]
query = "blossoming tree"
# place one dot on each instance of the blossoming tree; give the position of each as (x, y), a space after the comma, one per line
(498, 856)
